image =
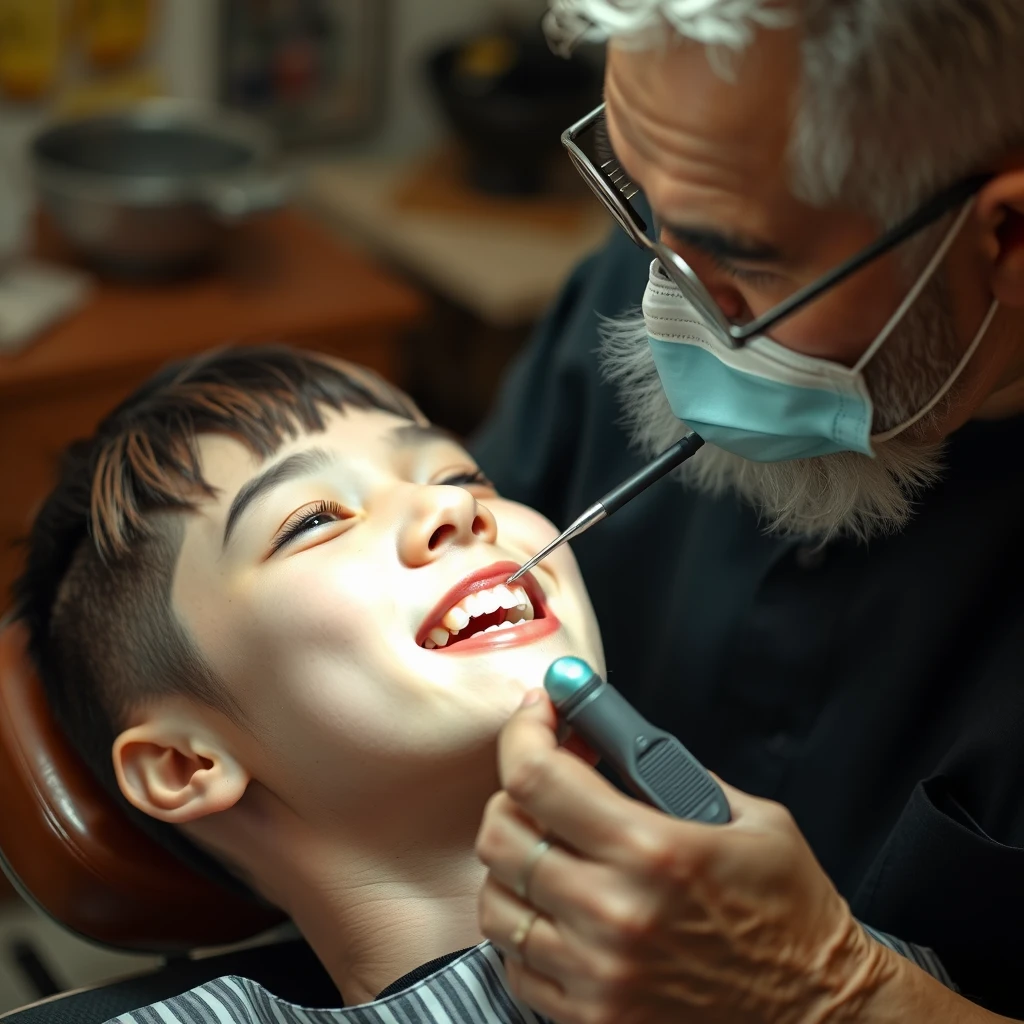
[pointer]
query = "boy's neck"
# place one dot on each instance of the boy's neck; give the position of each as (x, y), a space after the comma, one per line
(376, 894)
(372, 919)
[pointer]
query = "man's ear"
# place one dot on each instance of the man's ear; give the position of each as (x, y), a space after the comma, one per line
(173, 768)
(1001, 209)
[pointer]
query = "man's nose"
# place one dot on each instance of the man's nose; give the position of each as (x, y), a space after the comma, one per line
(439, 518)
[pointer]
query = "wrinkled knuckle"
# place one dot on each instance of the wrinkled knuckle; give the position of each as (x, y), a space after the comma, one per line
(624, 920)
(595, 904)
(484, 846)
(490, 836)
(497, 806)
(486, 917)
(780, 816)
(597, 1011)
(614, 973)
(654, 853)
(487, 843)
(529, 776)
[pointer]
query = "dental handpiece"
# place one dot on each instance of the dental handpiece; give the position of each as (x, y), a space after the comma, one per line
(650, 761)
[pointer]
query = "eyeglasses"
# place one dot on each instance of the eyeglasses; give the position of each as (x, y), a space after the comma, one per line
(614, 189)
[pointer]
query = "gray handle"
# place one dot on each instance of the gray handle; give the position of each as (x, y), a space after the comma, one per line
(652, 762)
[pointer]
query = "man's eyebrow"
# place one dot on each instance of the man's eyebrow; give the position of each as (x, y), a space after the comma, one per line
(299, 464)
(418, 435)
(723, 246)
(719, 244)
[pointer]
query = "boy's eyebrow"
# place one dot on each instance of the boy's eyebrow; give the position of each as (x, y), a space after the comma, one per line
(299, 464)
(417, 435)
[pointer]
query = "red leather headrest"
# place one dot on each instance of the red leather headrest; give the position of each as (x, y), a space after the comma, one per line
(72, 850)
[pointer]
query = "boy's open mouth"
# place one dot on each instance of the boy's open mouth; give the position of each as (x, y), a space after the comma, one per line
(481, 610)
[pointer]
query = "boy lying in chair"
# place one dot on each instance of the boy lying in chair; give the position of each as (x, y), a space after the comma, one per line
(267, 603)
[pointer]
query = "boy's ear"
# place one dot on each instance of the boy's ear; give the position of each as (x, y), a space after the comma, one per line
(173, 768)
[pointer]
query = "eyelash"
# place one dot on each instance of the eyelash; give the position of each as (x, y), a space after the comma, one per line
(299, 522)
(467, 479)
(754, 278)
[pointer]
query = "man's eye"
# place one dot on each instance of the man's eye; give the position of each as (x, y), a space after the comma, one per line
(309, 518)
(753, 278)
(467, 479)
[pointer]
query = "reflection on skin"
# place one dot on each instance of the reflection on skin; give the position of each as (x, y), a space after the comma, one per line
(351, 792)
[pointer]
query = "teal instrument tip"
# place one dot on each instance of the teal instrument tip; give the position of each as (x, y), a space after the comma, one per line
(565, 678)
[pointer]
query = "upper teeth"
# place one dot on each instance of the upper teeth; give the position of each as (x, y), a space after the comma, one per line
(517, 605)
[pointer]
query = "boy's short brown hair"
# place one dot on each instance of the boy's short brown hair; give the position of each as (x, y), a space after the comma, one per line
(96, 590)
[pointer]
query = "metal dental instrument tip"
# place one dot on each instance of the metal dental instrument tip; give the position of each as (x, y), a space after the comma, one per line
(618, 496)
(594, 514)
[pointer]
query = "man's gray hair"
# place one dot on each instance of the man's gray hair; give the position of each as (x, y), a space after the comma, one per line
(898, 98)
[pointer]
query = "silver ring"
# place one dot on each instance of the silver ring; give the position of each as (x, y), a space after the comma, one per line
(523, 881)
(522, 931)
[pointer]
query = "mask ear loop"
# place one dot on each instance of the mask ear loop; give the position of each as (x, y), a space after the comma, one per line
(938, 396)
(923, 278)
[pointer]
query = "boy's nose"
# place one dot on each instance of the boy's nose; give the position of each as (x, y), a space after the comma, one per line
(442, 517)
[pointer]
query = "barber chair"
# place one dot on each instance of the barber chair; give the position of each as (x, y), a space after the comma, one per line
(71, 852)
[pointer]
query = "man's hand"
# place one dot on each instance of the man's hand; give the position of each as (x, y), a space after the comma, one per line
(645, 918)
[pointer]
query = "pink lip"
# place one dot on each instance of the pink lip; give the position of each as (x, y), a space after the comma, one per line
(544, 623)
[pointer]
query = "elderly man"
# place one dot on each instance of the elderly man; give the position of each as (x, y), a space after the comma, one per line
(827, 612)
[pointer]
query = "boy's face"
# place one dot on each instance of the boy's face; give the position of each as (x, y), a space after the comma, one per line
(311, 583)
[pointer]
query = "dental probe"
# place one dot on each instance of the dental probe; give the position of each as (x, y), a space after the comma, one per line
(652, 762)
(618, 496)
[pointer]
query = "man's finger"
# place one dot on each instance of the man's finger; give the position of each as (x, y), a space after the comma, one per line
(583, 750)
(551, 878)
(540, 945)
(541, 993)
(566, 797)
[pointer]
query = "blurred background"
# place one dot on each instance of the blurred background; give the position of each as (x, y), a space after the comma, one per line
(380, 179)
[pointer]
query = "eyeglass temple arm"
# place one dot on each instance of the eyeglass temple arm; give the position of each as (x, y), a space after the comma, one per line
(920, 219)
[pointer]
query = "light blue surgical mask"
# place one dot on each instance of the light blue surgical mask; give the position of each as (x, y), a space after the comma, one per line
(764, 401)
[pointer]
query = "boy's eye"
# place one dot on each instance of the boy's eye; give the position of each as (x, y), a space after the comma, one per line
(469, 478)
(310, 518)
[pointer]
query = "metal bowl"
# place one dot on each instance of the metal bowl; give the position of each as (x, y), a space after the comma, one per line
(150, 191)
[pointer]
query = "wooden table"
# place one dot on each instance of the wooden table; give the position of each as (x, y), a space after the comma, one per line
(283, 278)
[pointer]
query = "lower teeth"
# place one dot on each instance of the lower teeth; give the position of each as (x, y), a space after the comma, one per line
(500, 625)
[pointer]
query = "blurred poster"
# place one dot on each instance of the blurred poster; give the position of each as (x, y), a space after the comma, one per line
(312, 69)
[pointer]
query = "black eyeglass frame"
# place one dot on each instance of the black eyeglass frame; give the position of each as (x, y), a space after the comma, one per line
(612, 188)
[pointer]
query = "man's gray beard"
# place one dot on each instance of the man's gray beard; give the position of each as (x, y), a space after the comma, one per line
(846, 493)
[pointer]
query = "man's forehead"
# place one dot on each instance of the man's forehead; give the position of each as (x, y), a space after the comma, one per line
(710, 150)
(726, 98)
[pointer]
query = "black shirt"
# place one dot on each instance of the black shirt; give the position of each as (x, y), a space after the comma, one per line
(876, 690)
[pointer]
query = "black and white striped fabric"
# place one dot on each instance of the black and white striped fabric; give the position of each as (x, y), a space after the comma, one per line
(920, 955)
(471, 989)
